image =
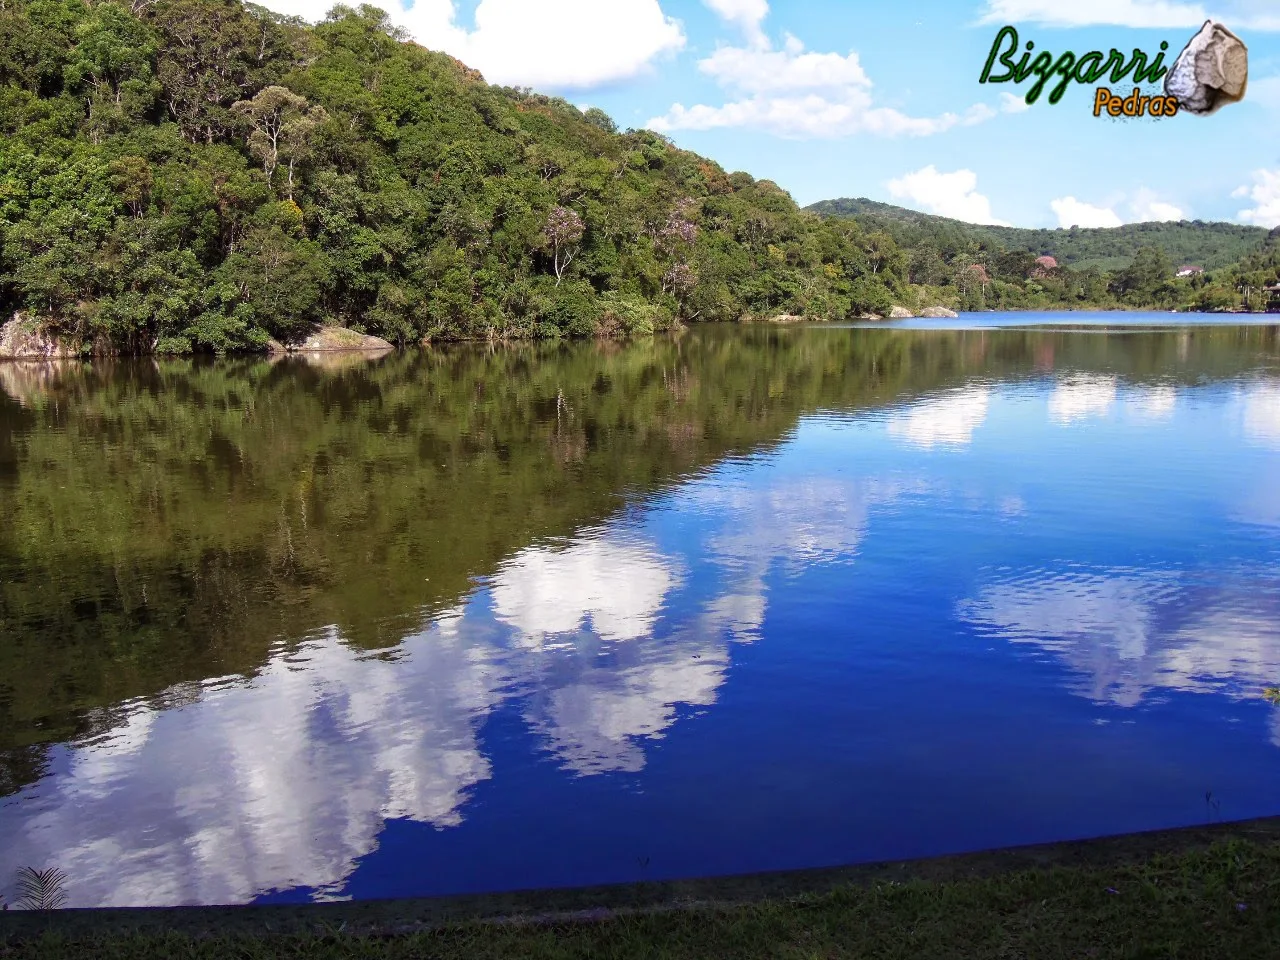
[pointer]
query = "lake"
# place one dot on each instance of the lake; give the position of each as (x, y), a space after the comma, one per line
(746, 598)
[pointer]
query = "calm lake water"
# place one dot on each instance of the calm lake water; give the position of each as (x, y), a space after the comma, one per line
(745, 599)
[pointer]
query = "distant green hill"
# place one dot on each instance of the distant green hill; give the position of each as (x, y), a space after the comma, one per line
(1207, 245)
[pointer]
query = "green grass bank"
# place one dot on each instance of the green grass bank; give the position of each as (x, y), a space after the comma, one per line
(1203, 892)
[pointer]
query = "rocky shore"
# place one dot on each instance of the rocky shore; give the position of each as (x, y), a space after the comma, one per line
(24, 338)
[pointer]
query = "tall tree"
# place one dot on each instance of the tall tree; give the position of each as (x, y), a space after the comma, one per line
(281, 124)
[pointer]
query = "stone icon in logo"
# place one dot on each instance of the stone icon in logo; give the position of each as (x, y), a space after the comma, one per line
(1212, 71)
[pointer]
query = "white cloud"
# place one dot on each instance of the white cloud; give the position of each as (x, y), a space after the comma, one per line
(1076, 213)
(949, 420)
(1265, 193)
(952, 194)
(1252, 14)
(748, 15)
(801, 95)
(1145, 207)
(780, 71)
(1012, 103)
(1081, 397)
(554, 43)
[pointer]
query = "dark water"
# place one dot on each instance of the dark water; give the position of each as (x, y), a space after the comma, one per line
(751, 598)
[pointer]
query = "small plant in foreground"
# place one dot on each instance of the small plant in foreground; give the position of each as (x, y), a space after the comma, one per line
(41, 889)
(1212, 806)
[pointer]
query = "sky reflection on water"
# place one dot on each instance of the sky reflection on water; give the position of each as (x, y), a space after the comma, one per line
(1004, 612)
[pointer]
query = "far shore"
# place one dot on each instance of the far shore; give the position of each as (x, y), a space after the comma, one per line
(333, 342)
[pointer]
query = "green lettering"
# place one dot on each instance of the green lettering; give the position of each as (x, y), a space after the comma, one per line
(1005, 32)
(1063, 67)
(1042, 68)
(1119, 74)
(1158, 69)
(1114, 62)
(1093, 73)
(1023, 71)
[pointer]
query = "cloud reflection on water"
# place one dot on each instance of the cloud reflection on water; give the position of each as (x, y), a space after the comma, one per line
(1080, 397)
(1262, 414)
(598, 645)
(948, 420)
(1129, 633)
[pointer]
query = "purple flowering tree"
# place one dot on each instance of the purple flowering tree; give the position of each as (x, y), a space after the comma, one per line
(679, 280)
(679, 231)
(563, 231)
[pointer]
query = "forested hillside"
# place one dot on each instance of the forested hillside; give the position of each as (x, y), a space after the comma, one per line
(202, 175)
(188, 175)
(1132, 266)
(1208, 245)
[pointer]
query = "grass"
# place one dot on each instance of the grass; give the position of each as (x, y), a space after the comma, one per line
(1221, 901)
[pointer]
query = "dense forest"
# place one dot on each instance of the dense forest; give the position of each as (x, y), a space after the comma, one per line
(201, 175)
(1129, 266)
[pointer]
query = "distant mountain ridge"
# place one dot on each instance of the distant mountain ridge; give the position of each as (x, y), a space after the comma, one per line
(1195, 242)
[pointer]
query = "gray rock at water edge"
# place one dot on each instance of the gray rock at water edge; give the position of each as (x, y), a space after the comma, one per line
(900, 313)
(23, 338)
(1212, 71)
(934, 312)
(333, 339)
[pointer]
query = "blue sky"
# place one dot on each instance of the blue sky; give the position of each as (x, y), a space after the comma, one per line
(835, 98)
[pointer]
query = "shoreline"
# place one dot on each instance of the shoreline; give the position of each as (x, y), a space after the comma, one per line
(333, 342)
(572, 905)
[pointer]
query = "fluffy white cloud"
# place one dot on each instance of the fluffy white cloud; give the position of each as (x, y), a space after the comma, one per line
(1265, 193)
(1253, 14)
(948, 420)
(748, 15)
(1146, 207)
(552, 43)
(1012, 103)
(1076, 213)
(952, 194)
(1081, 397)
(782, 71)
(801, 95)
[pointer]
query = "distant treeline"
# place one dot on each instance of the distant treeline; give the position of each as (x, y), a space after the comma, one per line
(1135, 265)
